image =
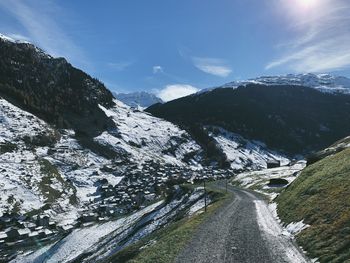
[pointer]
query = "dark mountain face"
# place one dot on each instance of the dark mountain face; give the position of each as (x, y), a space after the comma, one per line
(52, 89)
(294, 119)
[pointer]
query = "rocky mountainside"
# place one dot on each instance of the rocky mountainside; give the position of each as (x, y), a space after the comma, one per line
(138, 99)
(290, 119)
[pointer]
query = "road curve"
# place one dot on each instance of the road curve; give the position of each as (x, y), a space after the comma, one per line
(237, 232)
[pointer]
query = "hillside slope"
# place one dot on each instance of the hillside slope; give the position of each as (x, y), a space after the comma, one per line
(52, 89)
(291, 119)
(63, 136)
(320, 197)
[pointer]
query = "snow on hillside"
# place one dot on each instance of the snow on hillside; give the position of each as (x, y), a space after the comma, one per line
(146, 137)
(19, 167)
(64, 174)
(40, 165)
(244, 154)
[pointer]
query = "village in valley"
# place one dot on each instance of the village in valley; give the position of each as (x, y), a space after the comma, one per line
(139, 188)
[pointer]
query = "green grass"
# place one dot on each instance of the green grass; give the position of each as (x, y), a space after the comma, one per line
(164, 245)
(321, 196)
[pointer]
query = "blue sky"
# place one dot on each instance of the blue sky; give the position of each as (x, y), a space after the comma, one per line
(173, 47)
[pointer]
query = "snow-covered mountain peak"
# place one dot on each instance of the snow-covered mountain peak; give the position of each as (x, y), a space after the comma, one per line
(322, 82)
(10, 39)
(138, 99)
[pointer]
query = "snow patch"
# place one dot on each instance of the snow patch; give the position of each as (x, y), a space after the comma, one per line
(273, 233)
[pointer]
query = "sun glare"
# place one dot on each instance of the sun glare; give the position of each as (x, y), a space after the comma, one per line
(307, 3)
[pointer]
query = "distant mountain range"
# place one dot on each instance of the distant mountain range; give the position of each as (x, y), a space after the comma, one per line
(322, 82)
(138, 99)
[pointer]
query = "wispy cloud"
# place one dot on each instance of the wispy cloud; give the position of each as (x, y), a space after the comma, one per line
(120, 66)
(213, 66)
(172, 92)
(323, 43)
(157, 69)
(41, 24)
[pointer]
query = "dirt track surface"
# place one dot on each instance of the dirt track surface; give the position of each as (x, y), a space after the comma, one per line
(237, 232)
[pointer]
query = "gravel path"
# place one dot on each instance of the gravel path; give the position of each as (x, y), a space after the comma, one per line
(235, 234)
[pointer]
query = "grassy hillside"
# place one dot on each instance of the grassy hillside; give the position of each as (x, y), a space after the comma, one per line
(321, 196)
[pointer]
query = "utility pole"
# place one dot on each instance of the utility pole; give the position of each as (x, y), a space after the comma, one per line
(226, 185)
(205, 197)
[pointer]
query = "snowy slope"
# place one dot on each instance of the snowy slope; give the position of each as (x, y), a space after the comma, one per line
(138, 99)
(20, 169)
(244, 154)
(145, 137)
(63, 174)
(322, 82)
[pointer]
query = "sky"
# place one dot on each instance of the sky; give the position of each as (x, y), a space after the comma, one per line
(176, 47)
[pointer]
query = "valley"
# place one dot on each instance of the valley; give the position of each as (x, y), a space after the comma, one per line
(226, 171)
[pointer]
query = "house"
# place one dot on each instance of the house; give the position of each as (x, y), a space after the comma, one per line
(273, 164)
(150, 197)
(67, 228)
(85, 218)
(24, 233)
(12, 234)
(34, 234)
(43, 220)
(3, 236)
(52, 225)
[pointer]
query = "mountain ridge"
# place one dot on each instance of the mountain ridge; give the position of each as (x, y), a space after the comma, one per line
(322, 82)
